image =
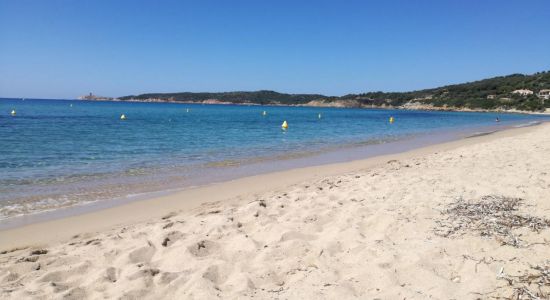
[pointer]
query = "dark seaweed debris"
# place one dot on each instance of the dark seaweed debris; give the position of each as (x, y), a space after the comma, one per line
(532, 284)
(491, 216)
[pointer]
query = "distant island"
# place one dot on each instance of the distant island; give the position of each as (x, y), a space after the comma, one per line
(513, 92)
(95, 97)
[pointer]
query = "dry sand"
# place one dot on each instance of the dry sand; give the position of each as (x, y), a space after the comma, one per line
(365, 229)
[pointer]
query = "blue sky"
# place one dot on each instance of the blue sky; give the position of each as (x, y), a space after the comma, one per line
(62, 49)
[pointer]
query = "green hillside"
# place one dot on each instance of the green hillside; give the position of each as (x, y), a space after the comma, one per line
(257, 97)
(492, 93)
(489, 93)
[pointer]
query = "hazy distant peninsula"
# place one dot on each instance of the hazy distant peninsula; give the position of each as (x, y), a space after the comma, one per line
(512, 92)
(95, 97)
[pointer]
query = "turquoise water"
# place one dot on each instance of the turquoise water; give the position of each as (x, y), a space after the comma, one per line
(56, 155)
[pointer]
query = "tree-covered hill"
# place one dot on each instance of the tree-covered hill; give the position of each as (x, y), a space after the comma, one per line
(492, 93)
(489, 93)
(256, 97)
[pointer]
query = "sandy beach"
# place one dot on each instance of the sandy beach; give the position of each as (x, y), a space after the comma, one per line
(460, 220)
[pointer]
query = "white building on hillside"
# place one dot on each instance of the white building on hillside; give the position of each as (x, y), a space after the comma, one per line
(544, 94)
(523, 92)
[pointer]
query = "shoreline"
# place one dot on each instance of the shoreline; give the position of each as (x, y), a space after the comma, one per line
(261, 166)
(458, 220)
(120, 214)
(127, 178)
(318, 104)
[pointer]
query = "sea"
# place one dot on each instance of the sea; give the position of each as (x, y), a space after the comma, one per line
(56, 155)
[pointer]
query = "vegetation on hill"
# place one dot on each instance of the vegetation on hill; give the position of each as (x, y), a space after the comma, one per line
(489, 93)
(257, 97)
(492, 93)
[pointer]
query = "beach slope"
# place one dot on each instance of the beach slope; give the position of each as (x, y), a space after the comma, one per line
(465, 222)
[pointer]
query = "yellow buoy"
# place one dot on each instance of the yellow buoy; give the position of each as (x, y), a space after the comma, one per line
(391, 120)
(123, 117)
(264, 113)
(13, 113)
(285, 125)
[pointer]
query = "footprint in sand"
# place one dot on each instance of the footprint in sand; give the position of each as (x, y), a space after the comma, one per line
(168, 225)
(203, 248)
(171, 238)
(135, 294)
(110, 274)
(54, 276)
(11, 277)
(212, 274)
(64, 275)
(93, 242)
(58, 288)
(218, 274)
(167, 277)
(75, 293)
(152, 272)
(39, 252)
(143, 254)
(170, 215)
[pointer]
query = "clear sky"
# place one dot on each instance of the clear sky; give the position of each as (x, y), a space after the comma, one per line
(63, 49)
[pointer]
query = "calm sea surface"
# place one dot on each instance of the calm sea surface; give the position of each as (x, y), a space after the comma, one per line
(56, 153)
